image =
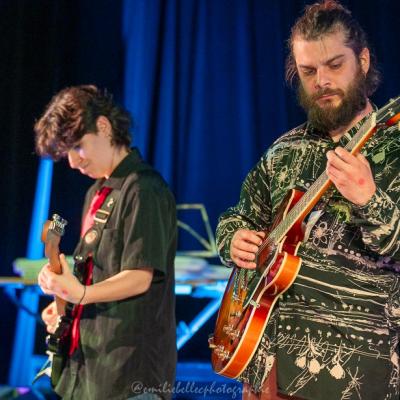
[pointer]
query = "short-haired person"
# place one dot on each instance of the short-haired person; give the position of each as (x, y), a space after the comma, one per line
(123, 345)
(334, 333)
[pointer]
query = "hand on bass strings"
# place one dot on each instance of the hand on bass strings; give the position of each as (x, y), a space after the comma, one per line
(351, 174)
(244, 246)
(65, 285)
(50, 317)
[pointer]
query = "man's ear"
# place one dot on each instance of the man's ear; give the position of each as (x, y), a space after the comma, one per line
(364, 58)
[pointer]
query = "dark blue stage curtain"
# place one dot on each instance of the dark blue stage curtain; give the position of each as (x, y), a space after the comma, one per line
(204, 80)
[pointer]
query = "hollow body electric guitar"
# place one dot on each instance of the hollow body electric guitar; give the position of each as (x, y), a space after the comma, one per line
(58, 343)
(250, 296)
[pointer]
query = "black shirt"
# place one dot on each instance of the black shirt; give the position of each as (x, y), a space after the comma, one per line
(131, 343)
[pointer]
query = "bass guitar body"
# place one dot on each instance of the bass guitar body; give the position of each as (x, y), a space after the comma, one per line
(58, 345)
(250, 297)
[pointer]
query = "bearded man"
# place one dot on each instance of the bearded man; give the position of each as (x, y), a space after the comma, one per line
(334, 333)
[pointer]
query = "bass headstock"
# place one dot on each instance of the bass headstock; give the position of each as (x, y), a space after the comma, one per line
(51, 235)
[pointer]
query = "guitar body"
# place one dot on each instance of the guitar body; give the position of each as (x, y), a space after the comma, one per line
(58, 344)
(247, 305)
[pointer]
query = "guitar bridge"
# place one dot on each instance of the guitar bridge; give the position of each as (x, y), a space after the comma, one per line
(221, 353)
(231, 331)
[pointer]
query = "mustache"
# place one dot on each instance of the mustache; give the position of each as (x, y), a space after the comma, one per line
(327, 92)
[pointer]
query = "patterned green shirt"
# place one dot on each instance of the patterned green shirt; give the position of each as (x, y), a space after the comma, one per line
(334, 333)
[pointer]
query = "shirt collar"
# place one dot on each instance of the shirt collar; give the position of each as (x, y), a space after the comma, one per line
(133, 162)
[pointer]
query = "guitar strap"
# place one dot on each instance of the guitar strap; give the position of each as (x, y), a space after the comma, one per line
(91, 239)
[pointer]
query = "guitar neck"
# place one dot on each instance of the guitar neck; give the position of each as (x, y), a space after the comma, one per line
(60, 305)
(388, 115)
(321, 185)
(52, 231)
(55, 266)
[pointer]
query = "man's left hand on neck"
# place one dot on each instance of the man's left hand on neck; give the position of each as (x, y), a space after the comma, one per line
(352, 175)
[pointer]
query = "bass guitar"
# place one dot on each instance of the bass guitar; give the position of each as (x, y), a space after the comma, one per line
(250, 296)
(58, 343)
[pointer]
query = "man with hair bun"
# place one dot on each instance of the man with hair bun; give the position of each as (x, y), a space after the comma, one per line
(334, 333)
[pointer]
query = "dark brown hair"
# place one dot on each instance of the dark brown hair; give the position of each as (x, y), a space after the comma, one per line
(72, 113)
(328, 17)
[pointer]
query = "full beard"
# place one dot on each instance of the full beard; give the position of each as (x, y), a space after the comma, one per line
(329, 118)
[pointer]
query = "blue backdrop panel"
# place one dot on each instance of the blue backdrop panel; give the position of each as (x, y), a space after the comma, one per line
(204, 81)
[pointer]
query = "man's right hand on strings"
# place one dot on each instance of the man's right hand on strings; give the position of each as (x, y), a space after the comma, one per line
(244, 246)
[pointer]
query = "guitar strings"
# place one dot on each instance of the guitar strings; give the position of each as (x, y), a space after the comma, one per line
(278, 233)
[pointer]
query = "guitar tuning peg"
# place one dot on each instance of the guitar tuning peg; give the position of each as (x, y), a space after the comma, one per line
(59, 220)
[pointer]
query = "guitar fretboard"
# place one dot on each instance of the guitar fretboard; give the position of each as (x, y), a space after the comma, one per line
(317, 189)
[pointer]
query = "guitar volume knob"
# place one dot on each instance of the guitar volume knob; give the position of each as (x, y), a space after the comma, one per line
(211, 343)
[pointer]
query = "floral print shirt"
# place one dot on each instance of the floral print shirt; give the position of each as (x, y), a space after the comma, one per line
(334, 332)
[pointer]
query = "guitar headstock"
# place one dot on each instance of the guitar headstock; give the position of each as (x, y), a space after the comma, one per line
(55, 226)
(390, 113)
(51, 234)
